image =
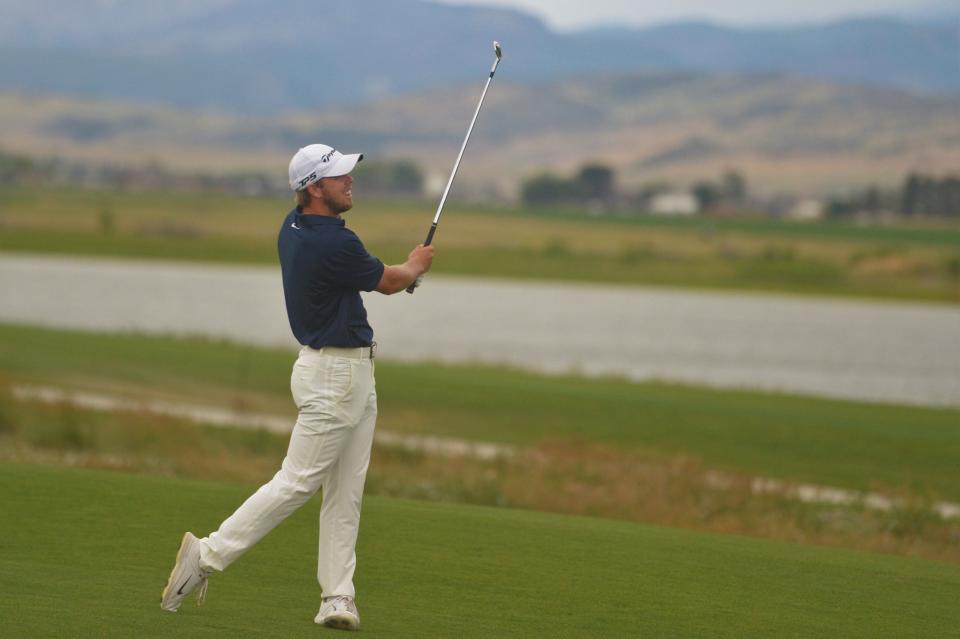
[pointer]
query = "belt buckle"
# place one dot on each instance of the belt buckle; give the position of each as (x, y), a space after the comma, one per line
(373, 350)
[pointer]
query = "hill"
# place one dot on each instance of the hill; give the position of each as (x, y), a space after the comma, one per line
(874, 51)
(783, 133)
(436, 569)
(254, 56)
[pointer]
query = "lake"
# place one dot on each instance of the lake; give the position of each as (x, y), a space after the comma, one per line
(877, 351)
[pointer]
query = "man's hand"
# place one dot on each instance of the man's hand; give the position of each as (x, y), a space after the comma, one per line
(421, 258)
(398, 278)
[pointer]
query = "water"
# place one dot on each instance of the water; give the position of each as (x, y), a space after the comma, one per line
(878, 351)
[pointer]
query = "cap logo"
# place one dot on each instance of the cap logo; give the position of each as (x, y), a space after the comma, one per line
(326, 157)
(310, 177)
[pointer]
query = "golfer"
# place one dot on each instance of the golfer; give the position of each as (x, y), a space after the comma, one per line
(324, 266)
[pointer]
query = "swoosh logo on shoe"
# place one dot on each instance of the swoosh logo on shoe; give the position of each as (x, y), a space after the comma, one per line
(180, 591)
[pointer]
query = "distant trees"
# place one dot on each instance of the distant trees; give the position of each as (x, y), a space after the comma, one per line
(595, 182)
(925, 195)
(593, 188)
(733, 186)
(592, 183)
(920, 195)
(15, 168)
(870, 201)
(707, 194)
(401, 177)
(548, 188)
(731, 190)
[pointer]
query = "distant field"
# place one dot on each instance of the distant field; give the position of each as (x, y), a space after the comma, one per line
(909, 261)
(436, 570)
(849, 444)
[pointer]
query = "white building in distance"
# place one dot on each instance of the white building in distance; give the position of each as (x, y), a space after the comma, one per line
(675, 203)
(808, 210)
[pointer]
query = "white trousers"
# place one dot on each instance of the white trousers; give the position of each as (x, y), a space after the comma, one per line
(329, 449)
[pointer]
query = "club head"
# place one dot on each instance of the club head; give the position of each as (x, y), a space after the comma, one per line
(496, 49)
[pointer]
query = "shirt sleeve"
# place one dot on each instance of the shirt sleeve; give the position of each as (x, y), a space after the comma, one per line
(352, 267)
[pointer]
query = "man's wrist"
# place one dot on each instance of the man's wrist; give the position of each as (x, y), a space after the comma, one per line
(416, 268)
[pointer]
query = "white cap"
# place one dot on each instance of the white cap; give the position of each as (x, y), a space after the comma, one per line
(316, 161)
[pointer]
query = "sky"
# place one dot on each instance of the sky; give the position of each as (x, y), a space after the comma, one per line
(574, 14)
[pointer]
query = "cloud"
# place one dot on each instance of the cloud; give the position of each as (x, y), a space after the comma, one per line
(571, 14)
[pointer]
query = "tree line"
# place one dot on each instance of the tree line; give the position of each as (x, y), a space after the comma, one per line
(389, 178)
(596, 184)
(919, 195)
(592, 185)
(925, 195)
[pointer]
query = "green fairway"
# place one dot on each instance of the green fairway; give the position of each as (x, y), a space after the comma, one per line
(910, 260)
(848, 444)
(85, 554)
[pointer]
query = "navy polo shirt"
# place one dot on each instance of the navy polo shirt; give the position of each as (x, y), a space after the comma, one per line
(325, 266)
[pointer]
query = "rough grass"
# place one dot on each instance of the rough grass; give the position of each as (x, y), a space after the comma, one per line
(579, 478)
(849, 444)
(436, 570)
(917, 260)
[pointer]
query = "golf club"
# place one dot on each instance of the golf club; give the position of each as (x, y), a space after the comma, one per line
(456, 165)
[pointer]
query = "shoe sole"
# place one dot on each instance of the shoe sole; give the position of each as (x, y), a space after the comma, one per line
(341, 623)
(170, 581)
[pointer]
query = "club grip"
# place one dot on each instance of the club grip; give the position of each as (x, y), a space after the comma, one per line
(416, 282)
(433, 229)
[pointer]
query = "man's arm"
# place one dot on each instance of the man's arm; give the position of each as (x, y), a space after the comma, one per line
(397, 278)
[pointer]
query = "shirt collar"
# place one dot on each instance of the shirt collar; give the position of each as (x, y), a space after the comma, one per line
(304, 219)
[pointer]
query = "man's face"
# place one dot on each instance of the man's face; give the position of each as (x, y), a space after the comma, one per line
(337, 193)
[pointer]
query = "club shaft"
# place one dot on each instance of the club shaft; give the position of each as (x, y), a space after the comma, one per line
(456, 165)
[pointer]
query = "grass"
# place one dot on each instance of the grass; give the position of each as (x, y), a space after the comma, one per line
(579, 478)
(436, 570)
(930, 232)
(847, 444)
(909, 261)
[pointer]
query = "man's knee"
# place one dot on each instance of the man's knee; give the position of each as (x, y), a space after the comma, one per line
(320, 422)
(298, 484)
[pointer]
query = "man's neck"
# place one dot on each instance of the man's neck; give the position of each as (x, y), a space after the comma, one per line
(324, 211)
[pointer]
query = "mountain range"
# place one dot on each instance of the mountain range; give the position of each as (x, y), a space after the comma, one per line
(264, 57)
(785, 134)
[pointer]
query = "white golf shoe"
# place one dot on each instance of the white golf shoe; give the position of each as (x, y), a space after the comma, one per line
(338, 612)
(186, 576)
